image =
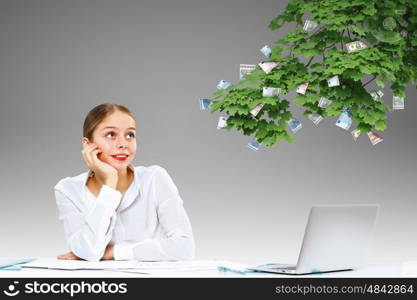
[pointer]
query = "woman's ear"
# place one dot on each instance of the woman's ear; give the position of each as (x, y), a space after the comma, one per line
(85, 142)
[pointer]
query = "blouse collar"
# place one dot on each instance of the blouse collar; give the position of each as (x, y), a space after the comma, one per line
(130, 194)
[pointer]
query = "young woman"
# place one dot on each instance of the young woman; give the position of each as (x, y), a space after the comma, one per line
(117, 211)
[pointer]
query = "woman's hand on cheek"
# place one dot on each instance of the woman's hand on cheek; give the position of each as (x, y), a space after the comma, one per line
(104, 172)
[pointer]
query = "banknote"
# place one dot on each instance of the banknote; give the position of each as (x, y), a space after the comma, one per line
(355, 133)
(302, 88)
(267, 66)
(397, 102)
(267, 51)
(309, 25)
(222, 122)
(205, 103)
(254, 111)
(374, 138)
(333, 81)
(315, 118)
(348, 111)
(377, 95)
(355, 46)
(223, 84)
(324, 102)
(270, 91)
(344, 121)
(294, 125)
(254, 145)
(245, 69)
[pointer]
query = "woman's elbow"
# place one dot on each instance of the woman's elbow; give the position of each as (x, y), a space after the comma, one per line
(84, 250)
(88, 254)
(180, 247)
(188, 249)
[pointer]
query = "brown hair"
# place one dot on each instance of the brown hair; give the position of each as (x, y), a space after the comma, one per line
(98, 113)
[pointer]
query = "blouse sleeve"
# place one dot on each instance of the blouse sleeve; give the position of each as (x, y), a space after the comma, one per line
(178, 240)
(88, 232)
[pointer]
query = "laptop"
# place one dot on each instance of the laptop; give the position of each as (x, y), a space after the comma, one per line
(336, 238)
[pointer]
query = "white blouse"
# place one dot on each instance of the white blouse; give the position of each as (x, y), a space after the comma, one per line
(148, 224)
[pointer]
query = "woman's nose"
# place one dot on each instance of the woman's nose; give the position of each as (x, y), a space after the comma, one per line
(121, 143)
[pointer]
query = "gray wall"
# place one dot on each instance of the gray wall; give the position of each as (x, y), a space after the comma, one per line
(58, 59)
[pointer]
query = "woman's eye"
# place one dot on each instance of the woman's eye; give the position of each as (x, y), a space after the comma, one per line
(132, 135)
(112, 133)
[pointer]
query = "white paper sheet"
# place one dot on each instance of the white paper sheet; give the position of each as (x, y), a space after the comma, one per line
(409, 268)
(52, 263)
(182, 267)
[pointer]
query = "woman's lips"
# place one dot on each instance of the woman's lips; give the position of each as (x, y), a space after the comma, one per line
(119, 157)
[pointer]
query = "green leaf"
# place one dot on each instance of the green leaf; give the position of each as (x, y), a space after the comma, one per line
(215, 105)
(380, 125)
(286, 116)
(290, 138)
(358, 30)
(380, 83)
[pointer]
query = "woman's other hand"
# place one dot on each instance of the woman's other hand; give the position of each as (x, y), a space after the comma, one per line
(108, 254)
(69, 256)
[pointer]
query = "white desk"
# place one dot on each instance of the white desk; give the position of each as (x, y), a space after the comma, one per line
(377, 269)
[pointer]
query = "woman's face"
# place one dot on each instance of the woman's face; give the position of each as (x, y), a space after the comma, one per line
(116, 134)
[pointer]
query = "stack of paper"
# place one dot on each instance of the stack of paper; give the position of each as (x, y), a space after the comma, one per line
(176, 267)
(140, 267)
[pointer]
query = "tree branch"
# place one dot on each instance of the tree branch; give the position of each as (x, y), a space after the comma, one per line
(309, 62)
(369, 81)
(292, 47)
(329, 46)
(325, 48)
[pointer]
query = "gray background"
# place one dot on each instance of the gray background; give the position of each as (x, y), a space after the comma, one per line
(59, 59)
